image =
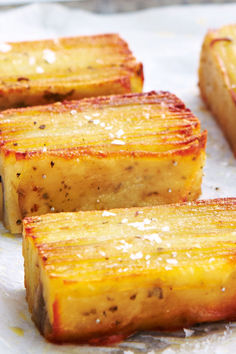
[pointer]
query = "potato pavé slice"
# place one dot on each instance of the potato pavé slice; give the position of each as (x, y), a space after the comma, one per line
(99, 276)
(217, 78)
(99, 153)
(45, 71)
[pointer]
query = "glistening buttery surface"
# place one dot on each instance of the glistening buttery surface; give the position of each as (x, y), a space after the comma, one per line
(134, 123)
(168, 41)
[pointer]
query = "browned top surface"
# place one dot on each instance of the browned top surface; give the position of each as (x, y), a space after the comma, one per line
(64, 61)
(146, 123)
(166, 239)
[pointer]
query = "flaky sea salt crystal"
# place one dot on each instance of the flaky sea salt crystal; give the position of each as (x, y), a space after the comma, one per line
(39, 70)
(188, 332)
(124, 246)
(137, 255)
(108, 213)
(5, 47)
(125, 220)
(119, 133)
(49, 56)
(118, 142)
(172, 261)
(153, 238)
(141, 225)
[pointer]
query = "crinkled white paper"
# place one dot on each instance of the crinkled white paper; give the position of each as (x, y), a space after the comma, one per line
(168, 42)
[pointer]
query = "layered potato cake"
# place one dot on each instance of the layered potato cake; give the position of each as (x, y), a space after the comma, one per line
(99, 153)
(217, 78)
(98, 276)
(45, 71)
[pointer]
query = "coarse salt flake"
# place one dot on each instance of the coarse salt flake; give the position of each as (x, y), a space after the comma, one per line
(119, 133)
(125, 220)
(165, 228)
(172, 261)
(5, 47)
(108, 213)
(32, 60)
(118, 142)
(188, 332)
(73, 112)
(124, 246)
(153, 238)
(137, 255)
(49, 56)
(168, 268)
(39, 70)
(141, 226)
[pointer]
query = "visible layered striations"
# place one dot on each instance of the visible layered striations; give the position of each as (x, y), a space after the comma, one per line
(99, 153)
(101, 275)
(46, 71)
(217, 78)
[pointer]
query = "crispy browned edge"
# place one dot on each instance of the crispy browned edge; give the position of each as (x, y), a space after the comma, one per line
(196, 142)
(206, 51)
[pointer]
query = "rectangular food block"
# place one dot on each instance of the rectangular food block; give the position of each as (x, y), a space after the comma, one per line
(45, 71)
(99, 153)
(217, 78)
(99, 276)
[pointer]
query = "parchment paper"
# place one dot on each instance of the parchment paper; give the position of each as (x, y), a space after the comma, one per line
(168, 42)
